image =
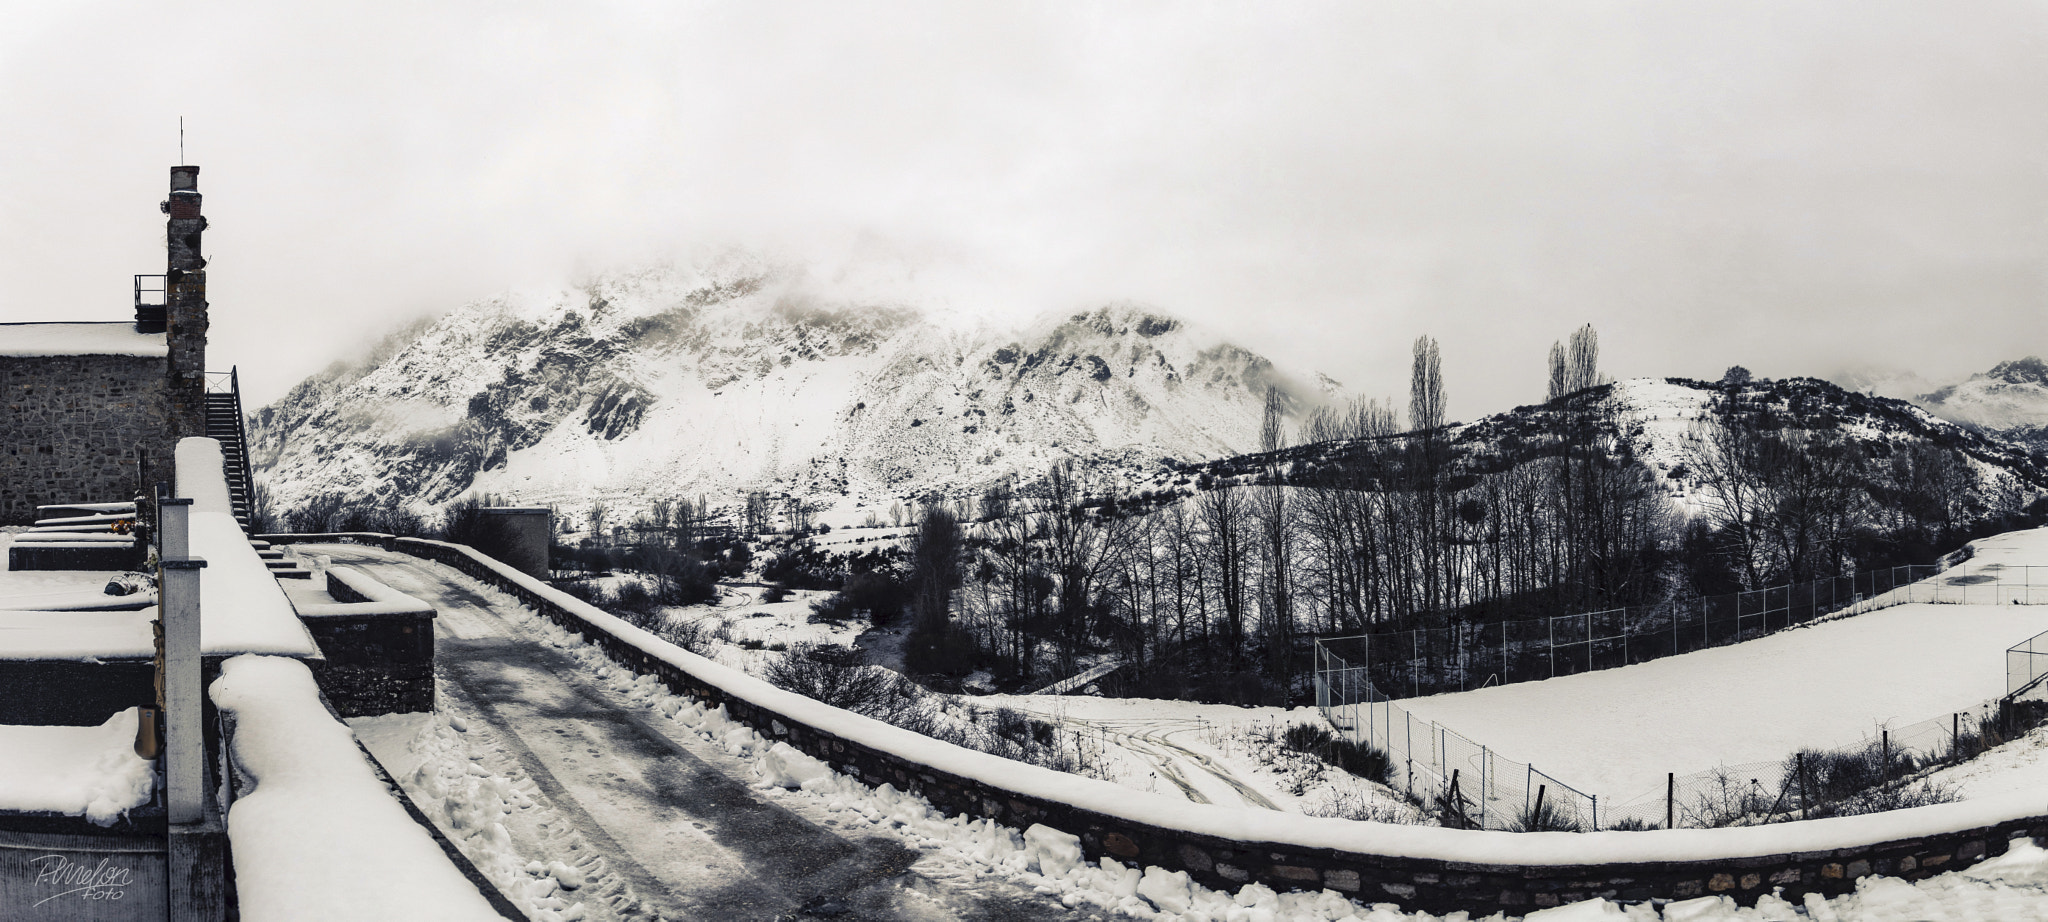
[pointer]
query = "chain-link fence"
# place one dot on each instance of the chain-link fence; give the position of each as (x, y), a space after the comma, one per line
(1876, 773)
(2026, 664)
(1462, 657)
(1465, 782)
(1461, 781)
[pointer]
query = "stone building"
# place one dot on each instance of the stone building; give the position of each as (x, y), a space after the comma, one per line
(90, 411)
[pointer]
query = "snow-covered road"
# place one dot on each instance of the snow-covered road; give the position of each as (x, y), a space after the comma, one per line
(664, 824)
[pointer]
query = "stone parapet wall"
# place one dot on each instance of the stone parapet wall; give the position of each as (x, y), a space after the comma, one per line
(74, 425)
(1433, 884)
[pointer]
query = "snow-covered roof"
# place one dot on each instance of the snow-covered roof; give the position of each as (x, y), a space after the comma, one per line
(18, 339)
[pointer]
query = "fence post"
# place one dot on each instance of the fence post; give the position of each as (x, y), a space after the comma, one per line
(1886, 755)
(1596, 813)
(1670, 800)
(1485, 763)
(1799, 762)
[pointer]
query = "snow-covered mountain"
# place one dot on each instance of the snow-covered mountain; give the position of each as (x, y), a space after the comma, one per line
(746, 376)
(2011, 396)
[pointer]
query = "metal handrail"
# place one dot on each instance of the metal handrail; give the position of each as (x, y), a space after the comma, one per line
(140, 290)
(230, 383)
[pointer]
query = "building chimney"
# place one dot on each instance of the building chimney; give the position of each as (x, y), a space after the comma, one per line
(185, 300)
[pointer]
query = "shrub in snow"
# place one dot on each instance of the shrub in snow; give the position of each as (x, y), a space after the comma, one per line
(1359, 759)
(1544, 815)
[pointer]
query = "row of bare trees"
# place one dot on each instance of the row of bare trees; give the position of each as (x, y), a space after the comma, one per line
(1215, 596)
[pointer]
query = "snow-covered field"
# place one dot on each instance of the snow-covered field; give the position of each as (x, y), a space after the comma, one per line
(1617, 732)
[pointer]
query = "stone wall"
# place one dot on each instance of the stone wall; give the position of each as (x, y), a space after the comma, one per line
(375, 661)
(77, 427)
(1223, 863)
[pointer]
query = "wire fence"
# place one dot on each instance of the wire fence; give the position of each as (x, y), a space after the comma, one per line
(2026, 664)
(1467, 783)
(1460, 779)
(1463, 657)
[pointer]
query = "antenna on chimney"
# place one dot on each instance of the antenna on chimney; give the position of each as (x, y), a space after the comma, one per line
(181, 139)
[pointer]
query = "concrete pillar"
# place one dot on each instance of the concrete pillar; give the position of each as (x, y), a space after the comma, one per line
(183, 689)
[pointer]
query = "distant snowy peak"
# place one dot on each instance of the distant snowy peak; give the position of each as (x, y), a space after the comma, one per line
(753, 376)
(2012, 395)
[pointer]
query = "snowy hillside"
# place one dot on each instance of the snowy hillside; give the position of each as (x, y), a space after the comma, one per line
(1665, 422)
(743, 377)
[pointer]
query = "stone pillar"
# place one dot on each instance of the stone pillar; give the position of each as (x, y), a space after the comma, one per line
(185, 304)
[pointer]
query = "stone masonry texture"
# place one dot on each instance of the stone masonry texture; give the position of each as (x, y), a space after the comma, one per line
(77, 427)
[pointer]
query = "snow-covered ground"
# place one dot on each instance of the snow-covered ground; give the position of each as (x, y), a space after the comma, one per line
(960, 850)
(1617, 732)
(740, 617)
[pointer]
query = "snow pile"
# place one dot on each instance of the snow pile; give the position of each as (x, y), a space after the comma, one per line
(785, 766)
(77, 771)
(319, 835)
(474, 804)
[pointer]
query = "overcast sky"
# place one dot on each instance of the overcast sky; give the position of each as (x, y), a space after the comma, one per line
(1793, 187)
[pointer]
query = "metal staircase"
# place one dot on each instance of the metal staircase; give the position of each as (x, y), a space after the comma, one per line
(224, 424)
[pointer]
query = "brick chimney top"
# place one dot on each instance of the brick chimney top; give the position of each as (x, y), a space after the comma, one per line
(184, 179)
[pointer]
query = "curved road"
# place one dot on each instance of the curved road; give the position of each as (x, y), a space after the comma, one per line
(680, 832)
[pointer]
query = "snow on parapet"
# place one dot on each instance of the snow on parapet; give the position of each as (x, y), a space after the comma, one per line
(241, 607)
(37, 339)
(320, 837)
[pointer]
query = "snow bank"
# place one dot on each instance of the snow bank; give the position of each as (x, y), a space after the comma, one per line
(1253, 825)
(29, 339)
(242, 609)
(320, 837)
(77, 771)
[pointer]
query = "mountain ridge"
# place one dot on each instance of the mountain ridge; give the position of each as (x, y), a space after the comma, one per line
(677, 381)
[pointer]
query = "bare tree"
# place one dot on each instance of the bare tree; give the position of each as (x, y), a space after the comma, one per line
(1584, 368)
(1426, 387)
(1560, 374)
(1277, 532)
(935, 555)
